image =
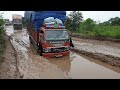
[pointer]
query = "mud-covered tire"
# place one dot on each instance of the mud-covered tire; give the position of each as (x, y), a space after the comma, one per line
(39, 52)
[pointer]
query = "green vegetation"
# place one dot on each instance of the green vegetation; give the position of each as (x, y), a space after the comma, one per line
(2, 39)
(89, 28)
(73, 21)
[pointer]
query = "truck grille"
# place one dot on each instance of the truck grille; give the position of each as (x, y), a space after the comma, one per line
(55, 50)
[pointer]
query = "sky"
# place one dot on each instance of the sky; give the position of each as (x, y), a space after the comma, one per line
(95, 15)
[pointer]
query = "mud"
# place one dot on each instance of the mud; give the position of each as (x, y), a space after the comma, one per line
(105, 51)
(89, 47)
(75, 66)
(97, 42)
(8, 68)
(31, 65)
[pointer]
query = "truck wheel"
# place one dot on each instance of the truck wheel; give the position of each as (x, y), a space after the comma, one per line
(39, 52)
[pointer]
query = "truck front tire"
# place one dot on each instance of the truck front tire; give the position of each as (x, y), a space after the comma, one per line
(40, 50)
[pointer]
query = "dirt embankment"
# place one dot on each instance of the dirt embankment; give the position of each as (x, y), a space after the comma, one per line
(105, 51)
(8, 68)
(96, 38)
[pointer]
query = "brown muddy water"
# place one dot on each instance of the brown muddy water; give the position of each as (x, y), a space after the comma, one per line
(74, 66)
(80, 67)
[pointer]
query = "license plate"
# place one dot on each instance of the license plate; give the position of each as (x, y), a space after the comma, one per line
(58, 55)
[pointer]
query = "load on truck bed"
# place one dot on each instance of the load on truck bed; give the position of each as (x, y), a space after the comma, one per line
(17, 21)
(47, 32)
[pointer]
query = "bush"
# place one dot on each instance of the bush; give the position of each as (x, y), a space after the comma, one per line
(88, 25)
(108, 31)
(2, 39)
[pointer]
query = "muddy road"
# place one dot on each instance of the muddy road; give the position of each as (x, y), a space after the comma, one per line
(75, 66)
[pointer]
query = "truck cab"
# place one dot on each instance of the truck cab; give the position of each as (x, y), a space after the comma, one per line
(53, 41)
(17, 21)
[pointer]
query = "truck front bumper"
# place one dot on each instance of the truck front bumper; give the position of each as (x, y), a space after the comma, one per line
(60, 54)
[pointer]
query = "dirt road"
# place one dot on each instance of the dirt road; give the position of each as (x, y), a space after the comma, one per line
(8, 68)
(29, 65)
(105, 51)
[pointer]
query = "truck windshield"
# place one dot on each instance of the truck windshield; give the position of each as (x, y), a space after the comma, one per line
(56, 34)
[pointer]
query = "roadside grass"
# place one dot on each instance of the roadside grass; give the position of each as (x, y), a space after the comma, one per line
(108, 31)
(101, 31)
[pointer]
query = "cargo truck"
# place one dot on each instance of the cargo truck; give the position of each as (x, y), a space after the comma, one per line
(17, 21)
(7, 22)
(51, 39)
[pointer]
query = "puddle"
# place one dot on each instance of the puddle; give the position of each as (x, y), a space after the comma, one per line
(78, 67)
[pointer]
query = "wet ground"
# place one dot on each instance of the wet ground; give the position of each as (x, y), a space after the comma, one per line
(74, 66)
(98, 48)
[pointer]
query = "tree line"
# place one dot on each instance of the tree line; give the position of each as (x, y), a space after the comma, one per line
(75, 23)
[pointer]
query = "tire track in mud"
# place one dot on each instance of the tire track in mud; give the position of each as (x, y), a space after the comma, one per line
(112, 60)
(109, 56)
(17, 73)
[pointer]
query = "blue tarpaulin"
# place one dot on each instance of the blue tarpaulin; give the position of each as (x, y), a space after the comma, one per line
(37, 17)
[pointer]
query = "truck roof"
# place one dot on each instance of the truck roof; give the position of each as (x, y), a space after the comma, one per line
(16, 16)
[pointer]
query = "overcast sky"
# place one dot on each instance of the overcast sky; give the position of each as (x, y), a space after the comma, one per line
(95, 15)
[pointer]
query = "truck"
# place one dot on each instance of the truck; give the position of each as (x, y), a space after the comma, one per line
(7, 22)
(17, 21)
(51, 39)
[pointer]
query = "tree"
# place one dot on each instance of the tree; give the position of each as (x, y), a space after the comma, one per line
(73, 20)
(106, 23)
(68, 22)
(114, 21)
(87, 25)
(1, 25)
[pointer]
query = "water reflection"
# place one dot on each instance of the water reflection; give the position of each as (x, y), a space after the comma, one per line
(78, 67)
(63, 63)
